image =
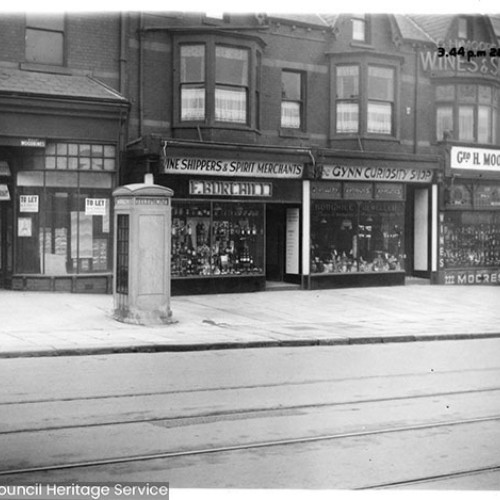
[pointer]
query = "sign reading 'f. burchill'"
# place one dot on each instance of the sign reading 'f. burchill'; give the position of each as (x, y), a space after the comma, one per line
(238, 168)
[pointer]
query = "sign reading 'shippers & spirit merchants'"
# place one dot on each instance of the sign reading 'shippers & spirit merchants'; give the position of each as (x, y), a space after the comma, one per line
(475, 159)
(232, 168)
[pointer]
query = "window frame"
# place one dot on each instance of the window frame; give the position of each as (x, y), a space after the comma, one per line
(45, 25)
(301, 101)
(364, 100)
(252, 88)
(362, 21)
(457, 104)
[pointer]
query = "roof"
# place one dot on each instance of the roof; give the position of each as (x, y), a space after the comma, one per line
(55, 85)
(495, 22)
(313, 19)
(410, 30)
(436, 26)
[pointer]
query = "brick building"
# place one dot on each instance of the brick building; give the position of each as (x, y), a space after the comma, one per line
(313, 150)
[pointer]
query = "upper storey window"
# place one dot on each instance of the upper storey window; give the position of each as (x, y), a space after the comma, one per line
(467, 113)
(214, 83)
(368, 111)
(292, 100)
(359, 28)
(44, 39)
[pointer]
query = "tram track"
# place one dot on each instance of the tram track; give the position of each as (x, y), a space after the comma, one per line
(239, 413)
(268, 444)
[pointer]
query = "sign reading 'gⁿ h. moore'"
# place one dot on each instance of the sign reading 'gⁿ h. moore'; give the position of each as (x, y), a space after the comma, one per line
(475, 158)
(231, 168)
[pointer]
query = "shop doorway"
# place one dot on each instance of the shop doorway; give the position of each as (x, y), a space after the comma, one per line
(418, 232)
(5, 244)
(282, 245)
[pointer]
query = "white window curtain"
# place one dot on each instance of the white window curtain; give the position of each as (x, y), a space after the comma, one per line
(192, 104)
(347, 117)
(466, 123)
(379, 118)
(444, 121)
(230, 105)
(290, 114)
(484, 125)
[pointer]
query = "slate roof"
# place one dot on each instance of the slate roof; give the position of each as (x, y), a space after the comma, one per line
(435, 25)
(313, 19)
(410, 30)
(14, 81)
(495, 22)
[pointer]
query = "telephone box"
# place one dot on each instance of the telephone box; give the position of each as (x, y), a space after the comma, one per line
(142, 253)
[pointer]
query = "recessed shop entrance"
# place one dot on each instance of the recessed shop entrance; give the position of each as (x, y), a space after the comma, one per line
(282, 244)
(5, 244)
(417, 233)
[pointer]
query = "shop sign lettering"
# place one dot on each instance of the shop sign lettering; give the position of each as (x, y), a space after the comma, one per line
(96, 206)
(361, 191)
(4, 192)
(431, 61)
(473, 277)
(389, 191)
(238, 168)
(387, 174)
(228, 188)
(326, 190)
(152, 201)
(33, 143)
(475, 158)
(28, 203)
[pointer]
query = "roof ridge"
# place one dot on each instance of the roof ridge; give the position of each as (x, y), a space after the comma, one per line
(407, 16)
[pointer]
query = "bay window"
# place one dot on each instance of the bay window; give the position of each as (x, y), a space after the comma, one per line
(214, 82)
(370, 112)
(467, 113)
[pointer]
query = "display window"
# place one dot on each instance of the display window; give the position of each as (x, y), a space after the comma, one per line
(471, 239)
(63, 218)
(357, 236)
(217, 239)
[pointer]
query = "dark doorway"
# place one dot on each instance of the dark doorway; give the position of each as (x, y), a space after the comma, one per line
(275, 242)
(5, 244)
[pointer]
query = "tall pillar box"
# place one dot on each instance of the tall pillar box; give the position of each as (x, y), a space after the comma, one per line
(142, 253)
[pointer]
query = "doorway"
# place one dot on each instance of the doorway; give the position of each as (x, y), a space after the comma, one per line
(5, 244)
(282, 245)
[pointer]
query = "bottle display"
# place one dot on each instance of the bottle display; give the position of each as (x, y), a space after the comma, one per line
(215, 239)
(357, 238)
(471, 240)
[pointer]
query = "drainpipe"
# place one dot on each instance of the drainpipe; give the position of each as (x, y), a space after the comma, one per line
(140, 75)
(415, 103)
(123, 54)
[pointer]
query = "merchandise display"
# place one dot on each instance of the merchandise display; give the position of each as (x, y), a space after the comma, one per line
(357, 237)
(214, 239)
(471, 239)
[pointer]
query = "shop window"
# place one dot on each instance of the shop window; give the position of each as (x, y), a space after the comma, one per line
(64, 220)
(192, 82)
(467, 112)
(471, 239)
(44, 39)
(217, 239)
(370, 112)
(347, 106)
(292, 100)
(357, 236)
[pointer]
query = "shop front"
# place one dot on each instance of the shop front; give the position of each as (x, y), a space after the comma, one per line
(469, 234)
(236, 217)
(371, 221)
(58, 167)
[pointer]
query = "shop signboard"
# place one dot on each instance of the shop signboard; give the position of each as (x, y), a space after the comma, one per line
(475, 159)
(383, 174)
(472, 277)
(231, 188)
(358, 191)
(232, 168)
(96, 206)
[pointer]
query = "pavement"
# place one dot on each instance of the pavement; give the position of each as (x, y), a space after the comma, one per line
(63, 324)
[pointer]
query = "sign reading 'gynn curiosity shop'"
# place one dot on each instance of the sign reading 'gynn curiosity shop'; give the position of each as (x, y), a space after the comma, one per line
(232, 168)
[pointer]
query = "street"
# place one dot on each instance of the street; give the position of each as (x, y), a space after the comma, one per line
(400, 415)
